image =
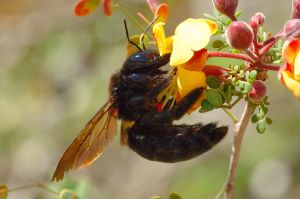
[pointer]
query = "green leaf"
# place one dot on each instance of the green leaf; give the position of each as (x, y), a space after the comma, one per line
(236, 67)
(175, 196)
(228, 93)
(212, 81)
(214, 97)
(253, 74)
(254, 118)
(206, 106)
(264, 109)
(218, 44)
(238, 14)
(68, 194)
(269, 120)
(261, 126)
(209, 16)
(3, 191)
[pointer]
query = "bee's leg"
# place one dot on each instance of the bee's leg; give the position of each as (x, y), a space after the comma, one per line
(174, 143)
(178, 110)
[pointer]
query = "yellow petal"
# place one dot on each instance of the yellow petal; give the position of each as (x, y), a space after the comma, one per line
(191, 35)
(189, 80)
(212, 25)
(291, 83)
(164, 44)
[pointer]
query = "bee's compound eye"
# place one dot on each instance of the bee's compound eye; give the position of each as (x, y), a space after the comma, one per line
(140, 57)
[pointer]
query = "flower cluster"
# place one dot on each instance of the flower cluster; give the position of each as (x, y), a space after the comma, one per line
(189, 53)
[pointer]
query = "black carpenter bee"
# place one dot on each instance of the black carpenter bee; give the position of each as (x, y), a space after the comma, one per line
(147, 131)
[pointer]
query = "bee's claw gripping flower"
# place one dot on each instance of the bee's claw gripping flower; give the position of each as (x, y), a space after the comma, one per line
(239, 35)
(290, 74)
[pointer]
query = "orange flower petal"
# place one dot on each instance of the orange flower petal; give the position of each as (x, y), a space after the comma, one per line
(107, 8)
(291, 83)
(197, 62)
(290, 50)
(85, 7)
(189, 80)
(163, 12)
(297, 66)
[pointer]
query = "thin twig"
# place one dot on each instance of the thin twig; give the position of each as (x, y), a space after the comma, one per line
(239, 131)
(232, 117)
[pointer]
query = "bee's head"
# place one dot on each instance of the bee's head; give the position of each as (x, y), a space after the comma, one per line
(143, 61)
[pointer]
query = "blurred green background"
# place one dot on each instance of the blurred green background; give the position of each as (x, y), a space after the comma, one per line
(54, 73)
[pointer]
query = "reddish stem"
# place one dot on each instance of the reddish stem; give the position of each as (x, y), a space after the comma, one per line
(230, 55)
(266, 48)
(273, 40)
(267, 67)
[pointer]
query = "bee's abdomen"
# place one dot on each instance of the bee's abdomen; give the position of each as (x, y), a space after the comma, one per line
(174, 143)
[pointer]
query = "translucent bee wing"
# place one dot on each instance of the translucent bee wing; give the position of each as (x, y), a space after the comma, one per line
(88, 145)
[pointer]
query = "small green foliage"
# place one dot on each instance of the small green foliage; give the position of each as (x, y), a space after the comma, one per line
(175, 196)
(68, 194)
(3, 192)
(213, 82)
(206, 106)
(218, 44)
(261, 116)
(214, 97)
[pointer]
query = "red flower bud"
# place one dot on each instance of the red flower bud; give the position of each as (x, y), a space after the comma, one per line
(296, 9)
(258, 91)
(292, 28)
(239, 35)
(257, 20)
(215, 70)
(227, 7)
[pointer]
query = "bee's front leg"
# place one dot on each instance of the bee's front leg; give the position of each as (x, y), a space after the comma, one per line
(178, 110)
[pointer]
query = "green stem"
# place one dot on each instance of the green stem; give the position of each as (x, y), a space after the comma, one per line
(35, 184)
(231, 115)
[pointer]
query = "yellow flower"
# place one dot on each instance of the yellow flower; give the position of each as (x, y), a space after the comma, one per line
(188, 52)
(290, 74)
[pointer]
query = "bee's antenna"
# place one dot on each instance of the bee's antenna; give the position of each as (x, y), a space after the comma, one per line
(127, 35)
(144, 33)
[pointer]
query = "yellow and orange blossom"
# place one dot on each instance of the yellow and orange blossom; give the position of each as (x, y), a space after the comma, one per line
(290, 74)
(188, 52)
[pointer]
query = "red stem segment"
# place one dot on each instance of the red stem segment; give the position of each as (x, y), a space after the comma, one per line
(230, 55)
